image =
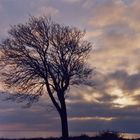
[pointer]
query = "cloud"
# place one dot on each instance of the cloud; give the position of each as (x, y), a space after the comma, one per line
(114, 38)
(113, 27)
(126, 81)
(92, 115)
(47, 11)
(107, 14)
(117, 89)
(71, 1)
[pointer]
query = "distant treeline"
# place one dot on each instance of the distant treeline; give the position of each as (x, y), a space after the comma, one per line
(108, 135)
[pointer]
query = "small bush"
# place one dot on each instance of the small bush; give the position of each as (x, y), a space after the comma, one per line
(109, 135)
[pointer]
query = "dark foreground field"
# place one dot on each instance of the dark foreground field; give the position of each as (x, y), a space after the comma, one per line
(102, 136)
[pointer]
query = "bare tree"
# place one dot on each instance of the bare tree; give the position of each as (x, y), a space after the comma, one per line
(41, 57)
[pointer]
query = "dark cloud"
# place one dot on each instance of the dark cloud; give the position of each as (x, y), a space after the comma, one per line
(114, 27)
(120, 123)
(126, 81)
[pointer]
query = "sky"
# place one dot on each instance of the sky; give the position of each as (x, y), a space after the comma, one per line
(113, 103)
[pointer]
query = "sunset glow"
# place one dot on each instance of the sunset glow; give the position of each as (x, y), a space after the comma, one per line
(111, 100)
(92, 118)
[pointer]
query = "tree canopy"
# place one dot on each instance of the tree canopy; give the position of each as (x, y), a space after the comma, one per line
(42, 56)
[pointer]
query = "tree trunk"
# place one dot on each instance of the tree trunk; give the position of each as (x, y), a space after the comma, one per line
(64, 120)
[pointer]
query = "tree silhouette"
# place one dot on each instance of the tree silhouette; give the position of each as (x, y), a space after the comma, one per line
(43, 57)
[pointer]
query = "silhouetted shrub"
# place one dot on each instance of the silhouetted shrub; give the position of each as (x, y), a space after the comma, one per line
(109, 135)
(105, 135)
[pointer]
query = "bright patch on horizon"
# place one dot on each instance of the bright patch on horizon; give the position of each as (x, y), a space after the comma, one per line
(92, 118)
(123, 99)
